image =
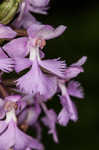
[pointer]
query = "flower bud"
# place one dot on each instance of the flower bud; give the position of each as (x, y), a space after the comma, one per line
(8, 9)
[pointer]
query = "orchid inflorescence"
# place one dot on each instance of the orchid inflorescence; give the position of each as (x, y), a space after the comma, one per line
(21, 105)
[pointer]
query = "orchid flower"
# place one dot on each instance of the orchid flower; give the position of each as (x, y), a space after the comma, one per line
(27, 6)
(42, 75)
(10, 135)
(72, 88)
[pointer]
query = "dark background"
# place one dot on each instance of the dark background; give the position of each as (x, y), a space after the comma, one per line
(80, 39)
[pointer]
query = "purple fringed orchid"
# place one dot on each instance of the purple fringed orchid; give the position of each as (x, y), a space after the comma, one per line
(10, 135)
(72, 88)
(42, 75)
(43, 79)
(29, 117)
(25, 18)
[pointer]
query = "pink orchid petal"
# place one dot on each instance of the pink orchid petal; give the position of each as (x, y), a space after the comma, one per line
(16, 48)
(80, 62)
(6, 32)
(54, 66)
(21, 64)
(74, 89)
(35, 81)
(45, 31)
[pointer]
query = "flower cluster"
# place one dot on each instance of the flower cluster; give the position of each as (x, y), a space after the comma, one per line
(22, 107)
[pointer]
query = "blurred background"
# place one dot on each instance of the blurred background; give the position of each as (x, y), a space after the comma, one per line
(80, 39)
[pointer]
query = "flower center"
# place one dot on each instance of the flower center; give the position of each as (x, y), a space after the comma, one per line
(34, 48)
(40, 43)
(11, 116)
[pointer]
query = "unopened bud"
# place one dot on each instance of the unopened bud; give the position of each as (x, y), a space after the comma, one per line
(8, 9)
